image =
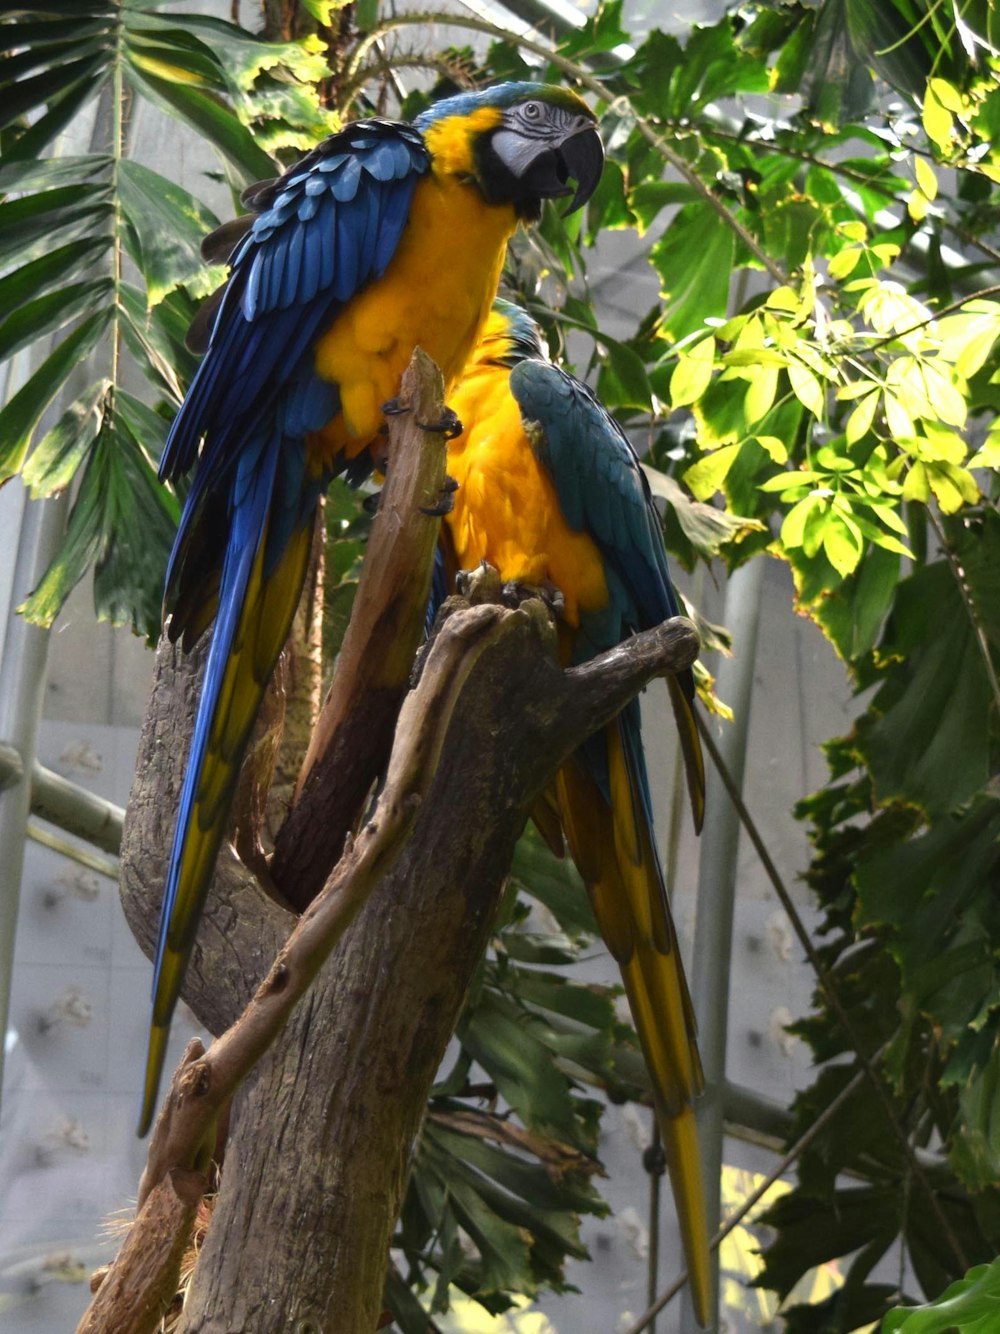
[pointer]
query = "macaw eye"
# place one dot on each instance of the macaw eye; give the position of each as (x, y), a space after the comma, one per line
(532, 110)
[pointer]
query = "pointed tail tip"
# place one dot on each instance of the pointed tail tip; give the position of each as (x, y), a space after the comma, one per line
(680, 1142)
(156, 1053)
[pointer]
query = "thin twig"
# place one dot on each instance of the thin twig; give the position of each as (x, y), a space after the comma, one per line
(830, 988)
(738, 1215)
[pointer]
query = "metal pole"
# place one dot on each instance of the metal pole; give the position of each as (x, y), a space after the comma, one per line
(716, 893)
(22, 692)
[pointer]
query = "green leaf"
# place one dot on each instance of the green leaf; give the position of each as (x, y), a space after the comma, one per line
(926, 179)
(207, 117)
(693, 372)
(924, 741)
(938, 121)
(23, 412)
(842, 544)
(793, 527)
(508, 1043)
(761, 393)
(694, 259)
(971, 1305)
(859, 423)
(807, 389)
(56, 457)
(50, 312)
(707, 475)
(554, 881)
(27, 94)
(707, 529)
(852, 615)
(648, 199)
(622, 381)
(169, 224)
(52, 172)
(843, 264)
(31, 280)
(45, 215)
(122, 523)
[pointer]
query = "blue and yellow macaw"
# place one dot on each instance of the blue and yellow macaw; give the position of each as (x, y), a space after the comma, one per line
(385, 236)
(550, 493)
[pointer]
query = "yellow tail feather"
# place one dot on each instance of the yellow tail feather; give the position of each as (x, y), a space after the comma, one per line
(264, 625)
(613, 850)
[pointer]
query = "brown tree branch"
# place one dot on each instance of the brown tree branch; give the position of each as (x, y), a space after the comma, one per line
(353, 736)
(139, 1288)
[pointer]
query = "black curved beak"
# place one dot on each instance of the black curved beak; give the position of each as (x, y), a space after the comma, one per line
(579, 157)
(582, 155)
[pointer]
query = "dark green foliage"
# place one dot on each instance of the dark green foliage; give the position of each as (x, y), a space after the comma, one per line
(794, 393)
(61, 240)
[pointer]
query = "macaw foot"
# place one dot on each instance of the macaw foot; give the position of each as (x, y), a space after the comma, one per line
(394, 407)
(446, 504)
(449, 426)
(479, 585)
(514, 593)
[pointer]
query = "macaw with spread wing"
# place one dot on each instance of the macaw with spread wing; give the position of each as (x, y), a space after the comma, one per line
(385, 236)
(550, 493)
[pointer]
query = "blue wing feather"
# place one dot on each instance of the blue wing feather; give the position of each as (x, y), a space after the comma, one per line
(601, 490)
(301, 268)
(326, 229)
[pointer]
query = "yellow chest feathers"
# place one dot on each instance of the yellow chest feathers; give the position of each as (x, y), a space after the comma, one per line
(436, 292)
(506, 509)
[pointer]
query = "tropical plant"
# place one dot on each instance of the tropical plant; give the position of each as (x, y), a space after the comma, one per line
(818, 188)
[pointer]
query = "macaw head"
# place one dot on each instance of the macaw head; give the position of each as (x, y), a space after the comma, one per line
(510, 336)
(520, 143)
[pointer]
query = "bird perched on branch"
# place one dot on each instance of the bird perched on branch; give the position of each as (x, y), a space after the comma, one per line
(550, 493)
(384, 236)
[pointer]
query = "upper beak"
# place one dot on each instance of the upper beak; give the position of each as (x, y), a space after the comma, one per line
(582, 156)
(579, 156)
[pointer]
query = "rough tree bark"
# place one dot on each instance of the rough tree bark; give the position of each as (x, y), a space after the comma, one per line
(320, 1134)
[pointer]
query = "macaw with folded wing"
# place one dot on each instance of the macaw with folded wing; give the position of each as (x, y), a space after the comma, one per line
(385, 236)
(551, 493)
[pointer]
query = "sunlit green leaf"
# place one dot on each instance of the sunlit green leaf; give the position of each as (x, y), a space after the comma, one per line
(693, 372)
(926, 179)
(707, 475)
(807, 389)
(859, 423)
(937, 119)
